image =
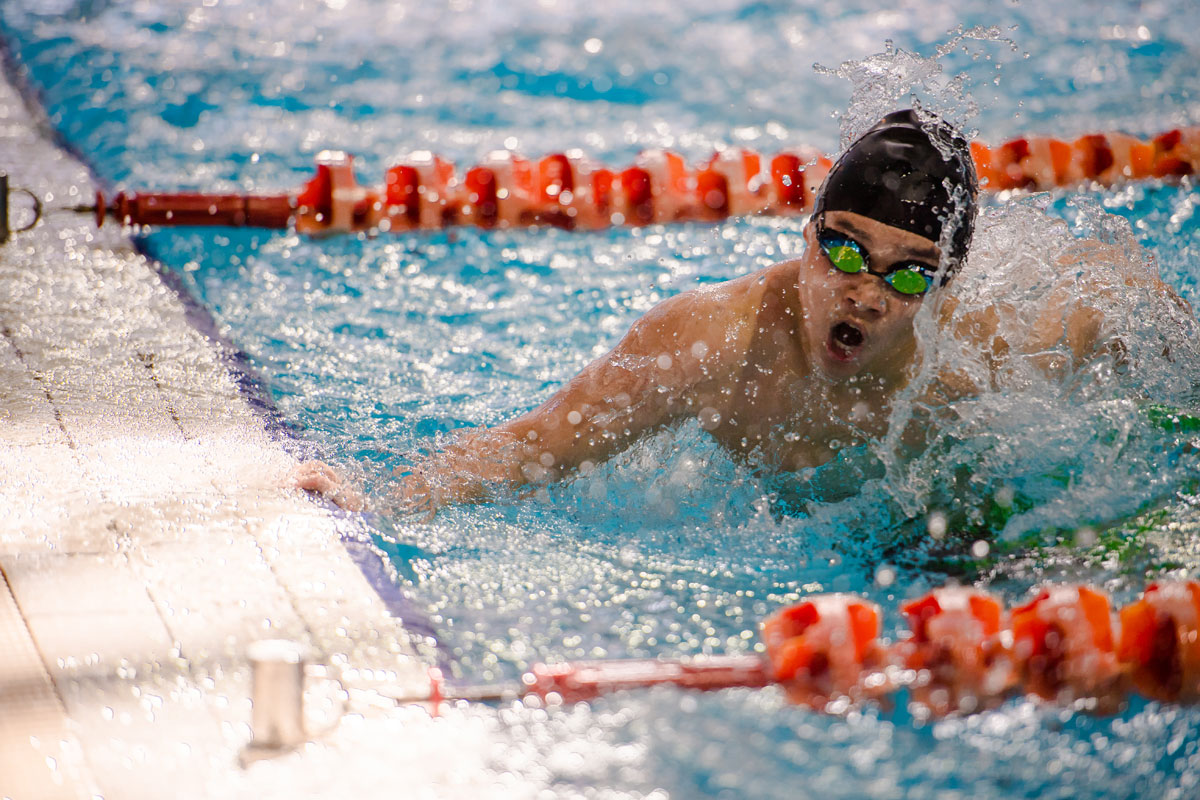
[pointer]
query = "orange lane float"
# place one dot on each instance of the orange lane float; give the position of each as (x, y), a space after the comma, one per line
(826, 647)
(1063, 640)
(964, 653)
(568, 190)
(1160, 640)
(960, 660)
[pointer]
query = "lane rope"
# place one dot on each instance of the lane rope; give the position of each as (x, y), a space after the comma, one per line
(569, 190)
(963, 653)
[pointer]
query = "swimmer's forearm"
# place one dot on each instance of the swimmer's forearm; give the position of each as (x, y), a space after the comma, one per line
(473, 468)
(642, 384)
(534, 449)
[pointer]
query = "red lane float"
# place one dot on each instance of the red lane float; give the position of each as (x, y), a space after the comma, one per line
(1063, 640)
(580, 681)
(826, 647)
(960, 660)
(567, 190)
(585, 680)
(1041, 163)
(1160, 640)
(964, 653)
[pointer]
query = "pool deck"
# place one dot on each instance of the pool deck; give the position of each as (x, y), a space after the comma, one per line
(145, 542)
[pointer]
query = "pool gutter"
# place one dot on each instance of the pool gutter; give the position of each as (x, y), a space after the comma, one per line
(146, 540)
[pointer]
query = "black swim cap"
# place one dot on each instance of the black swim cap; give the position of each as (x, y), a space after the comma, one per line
(896, 174)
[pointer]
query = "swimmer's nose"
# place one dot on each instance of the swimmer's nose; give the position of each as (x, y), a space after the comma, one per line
(868, 294)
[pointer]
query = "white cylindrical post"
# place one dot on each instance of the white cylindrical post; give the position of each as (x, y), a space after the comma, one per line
(278, 693)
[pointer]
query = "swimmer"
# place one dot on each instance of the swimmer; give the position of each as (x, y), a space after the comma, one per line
(785, 365)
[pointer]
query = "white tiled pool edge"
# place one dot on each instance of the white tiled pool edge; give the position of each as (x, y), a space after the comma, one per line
(144, 541)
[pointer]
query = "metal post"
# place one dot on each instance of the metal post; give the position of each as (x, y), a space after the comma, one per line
(278, 694)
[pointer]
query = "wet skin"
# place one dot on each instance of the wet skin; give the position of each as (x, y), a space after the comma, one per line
(784, 366)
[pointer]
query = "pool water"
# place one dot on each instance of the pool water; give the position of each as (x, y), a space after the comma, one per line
(376, 347)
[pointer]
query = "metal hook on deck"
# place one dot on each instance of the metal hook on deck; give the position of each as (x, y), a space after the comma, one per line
(279, 725)
(6, 230)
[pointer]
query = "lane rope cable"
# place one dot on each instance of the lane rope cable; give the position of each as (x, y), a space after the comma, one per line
(963, 652)
(569, 190)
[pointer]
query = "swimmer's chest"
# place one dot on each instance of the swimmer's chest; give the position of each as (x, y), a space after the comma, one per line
(783, 417)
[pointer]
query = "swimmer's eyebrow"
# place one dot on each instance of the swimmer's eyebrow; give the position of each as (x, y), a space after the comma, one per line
(919, 252)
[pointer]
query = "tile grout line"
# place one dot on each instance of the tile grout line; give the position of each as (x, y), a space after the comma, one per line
(59, 709)
(178, 649)
(40, 380)
(147, 360)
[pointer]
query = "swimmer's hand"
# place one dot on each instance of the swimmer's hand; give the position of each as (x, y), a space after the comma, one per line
(320, 478)
(457, 474)
(412, 494)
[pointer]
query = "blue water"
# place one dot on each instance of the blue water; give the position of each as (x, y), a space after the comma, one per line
(375, 347)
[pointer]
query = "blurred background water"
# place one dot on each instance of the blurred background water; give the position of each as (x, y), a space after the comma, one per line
(374, 347)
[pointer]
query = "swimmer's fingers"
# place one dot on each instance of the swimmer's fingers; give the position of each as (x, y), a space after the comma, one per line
(319, 477)
(349, 499)
(413, 495)
(314, 476)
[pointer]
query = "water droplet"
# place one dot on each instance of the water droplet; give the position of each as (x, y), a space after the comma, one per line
(1004, 496)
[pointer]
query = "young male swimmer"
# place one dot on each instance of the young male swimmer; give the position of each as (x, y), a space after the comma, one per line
(787, 364)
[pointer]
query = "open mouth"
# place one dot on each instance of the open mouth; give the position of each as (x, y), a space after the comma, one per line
(844, 341)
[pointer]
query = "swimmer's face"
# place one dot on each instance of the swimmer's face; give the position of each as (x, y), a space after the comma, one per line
(856, 323)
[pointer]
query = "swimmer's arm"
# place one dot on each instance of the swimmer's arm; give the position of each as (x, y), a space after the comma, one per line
(1074, 314)
(1063, 334)
(1069, 327)
(585, 421)
(648, 380)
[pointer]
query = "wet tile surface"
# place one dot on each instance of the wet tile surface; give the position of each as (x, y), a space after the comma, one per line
(146, 540)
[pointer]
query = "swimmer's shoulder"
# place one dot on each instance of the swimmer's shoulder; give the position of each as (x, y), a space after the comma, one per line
(706, 326)
(727, 305)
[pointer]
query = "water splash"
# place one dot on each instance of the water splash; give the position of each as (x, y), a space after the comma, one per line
(1040, 374)
(897, 78)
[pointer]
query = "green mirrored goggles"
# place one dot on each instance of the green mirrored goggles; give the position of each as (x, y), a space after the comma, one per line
(850, 257)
